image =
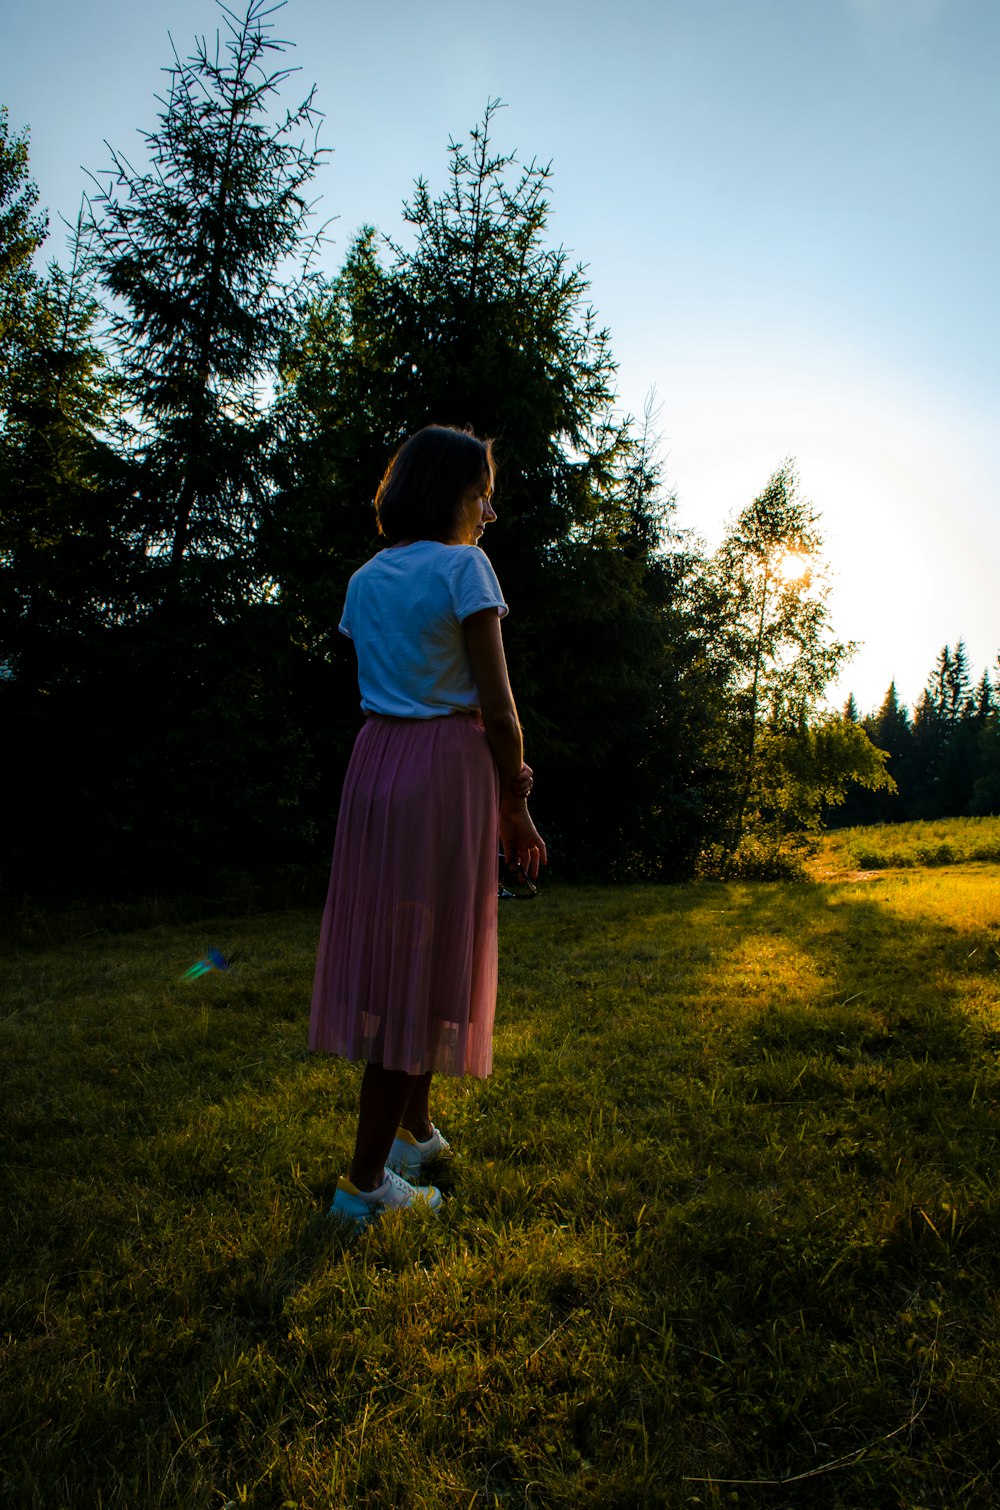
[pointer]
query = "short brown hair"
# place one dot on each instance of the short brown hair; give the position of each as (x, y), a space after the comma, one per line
(419, 495)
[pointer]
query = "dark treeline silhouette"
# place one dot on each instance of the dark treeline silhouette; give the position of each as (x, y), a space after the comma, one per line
(944, 758)
(193, 422)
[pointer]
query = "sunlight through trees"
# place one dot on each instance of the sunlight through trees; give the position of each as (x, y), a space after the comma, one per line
(193, 421)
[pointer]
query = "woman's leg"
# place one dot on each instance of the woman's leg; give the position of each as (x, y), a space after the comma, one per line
(416, 1117)
(385, 1095)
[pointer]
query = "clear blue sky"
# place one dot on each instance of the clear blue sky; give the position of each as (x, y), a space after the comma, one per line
(788, 210)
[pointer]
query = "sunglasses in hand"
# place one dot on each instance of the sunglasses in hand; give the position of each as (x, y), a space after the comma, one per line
(515, 884)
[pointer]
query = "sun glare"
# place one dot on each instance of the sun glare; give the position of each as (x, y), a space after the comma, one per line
(793, 567)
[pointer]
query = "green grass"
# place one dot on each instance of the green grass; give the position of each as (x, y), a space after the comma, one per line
(944, 841)
(723, 1229)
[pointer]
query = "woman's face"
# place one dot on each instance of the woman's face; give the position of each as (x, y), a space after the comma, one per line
(475, 512)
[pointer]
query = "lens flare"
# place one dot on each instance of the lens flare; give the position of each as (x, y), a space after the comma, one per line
(214, 960)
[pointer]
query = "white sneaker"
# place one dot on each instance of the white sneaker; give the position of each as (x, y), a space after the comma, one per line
(393, 1194)
(409, 1156)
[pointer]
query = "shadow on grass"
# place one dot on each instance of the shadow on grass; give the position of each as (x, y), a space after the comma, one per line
(787, 1101)
(737, 1158)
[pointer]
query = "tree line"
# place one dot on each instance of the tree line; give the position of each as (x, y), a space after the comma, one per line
(193, 421)
(944, 758)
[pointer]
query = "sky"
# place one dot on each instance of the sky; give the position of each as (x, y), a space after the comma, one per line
(788, 211)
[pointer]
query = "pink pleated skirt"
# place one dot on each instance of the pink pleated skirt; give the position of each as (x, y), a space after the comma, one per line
(406, 973)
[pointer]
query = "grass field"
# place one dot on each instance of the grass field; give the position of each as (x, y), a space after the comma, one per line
(901, 846)
(723, 1228)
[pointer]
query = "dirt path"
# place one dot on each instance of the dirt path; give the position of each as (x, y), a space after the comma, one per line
(819, 872)
(826, 865)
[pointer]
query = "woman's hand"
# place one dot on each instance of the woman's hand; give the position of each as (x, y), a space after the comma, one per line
(522, 844)
(522, 783)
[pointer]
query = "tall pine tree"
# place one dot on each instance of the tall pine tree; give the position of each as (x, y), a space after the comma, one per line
(482, 322)
(191, 761)
(65, 568)
(22, 231)
(194, 252)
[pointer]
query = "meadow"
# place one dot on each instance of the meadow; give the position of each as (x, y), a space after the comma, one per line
(722, 1229)
(896, 846)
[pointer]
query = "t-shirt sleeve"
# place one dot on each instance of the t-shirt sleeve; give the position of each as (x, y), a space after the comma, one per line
(474, 584)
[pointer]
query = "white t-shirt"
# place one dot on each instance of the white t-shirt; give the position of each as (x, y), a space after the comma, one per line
(404, 611)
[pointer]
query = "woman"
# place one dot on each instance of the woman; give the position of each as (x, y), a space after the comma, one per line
(407, 965)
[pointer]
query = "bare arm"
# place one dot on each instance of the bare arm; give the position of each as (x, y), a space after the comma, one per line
(496, 700)
(520, 838)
